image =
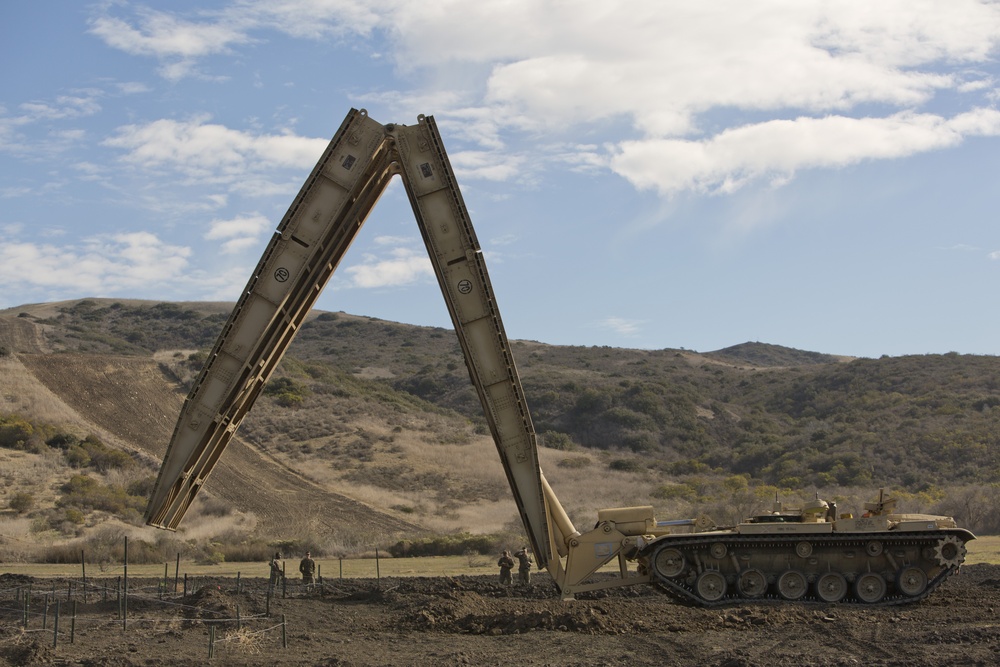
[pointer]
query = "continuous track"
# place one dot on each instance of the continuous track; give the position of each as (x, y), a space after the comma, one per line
(761, 560)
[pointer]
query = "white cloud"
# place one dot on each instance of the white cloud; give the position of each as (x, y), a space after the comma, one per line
(64, 106)
(180, 42)
(777, 149)
(391, 240)
(98, 266)
(994, 255)
(205, 150)
(163, 35)
(237, 234)
(402, 267)
(493, 166)
(656, 81)
(621, 326)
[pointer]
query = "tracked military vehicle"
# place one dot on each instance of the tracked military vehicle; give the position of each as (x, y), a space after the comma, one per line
(811, 554)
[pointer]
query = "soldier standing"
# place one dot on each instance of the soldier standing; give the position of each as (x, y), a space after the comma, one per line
(307, 566)
(506, 564)
(523, 566)
(276, 569)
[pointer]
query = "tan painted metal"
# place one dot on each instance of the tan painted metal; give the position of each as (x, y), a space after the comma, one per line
(310, 242)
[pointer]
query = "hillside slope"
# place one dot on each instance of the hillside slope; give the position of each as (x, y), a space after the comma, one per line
(383, 413)
(132, 403)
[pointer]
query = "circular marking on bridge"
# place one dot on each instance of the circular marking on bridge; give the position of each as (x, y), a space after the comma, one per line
(281, 274)
(464, 286)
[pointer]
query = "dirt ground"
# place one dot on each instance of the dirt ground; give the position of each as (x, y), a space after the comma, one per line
(475, 621)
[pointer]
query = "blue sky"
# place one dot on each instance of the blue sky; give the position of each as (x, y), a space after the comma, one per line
(824, 176)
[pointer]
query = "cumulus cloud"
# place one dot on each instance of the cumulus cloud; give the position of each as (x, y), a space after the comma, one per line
(237, 234)
(777, 149)
(204, 150)
(653, 80)
(179, 42)
(398, 267)
(98, 266)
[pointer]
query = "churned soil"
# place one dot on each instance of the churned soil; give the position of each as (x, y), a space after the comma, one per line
(475, 621)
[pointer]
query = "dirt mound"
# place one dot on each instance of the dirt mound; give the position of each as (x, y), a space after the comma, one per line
(25, 652)
(8, 580)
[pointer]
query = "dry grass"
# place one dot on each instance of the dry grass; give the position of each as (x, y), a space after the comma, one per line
(245, 641)
(984, 549)
(24, 395)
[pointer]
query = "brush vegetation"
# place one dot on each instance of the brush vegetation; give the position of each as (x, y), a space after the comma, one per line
(385, 413)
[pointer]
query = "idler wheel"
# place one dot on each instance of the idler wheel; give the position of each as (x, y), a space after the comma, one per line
(803, 549)
(869, 587)
(911, 581)
(831, 587)
(751, 583)
(873, 548)
(718, 550)
(710, 585)
(949, 551)
(792, 585)
(669, 563)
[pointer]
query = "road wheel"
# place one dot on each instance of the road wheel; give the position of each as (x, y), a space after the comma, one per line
(792, 585)
(831, 587)
(669, 563)
(869, 587)
(711, 586)
(751, 583)
(911, 581)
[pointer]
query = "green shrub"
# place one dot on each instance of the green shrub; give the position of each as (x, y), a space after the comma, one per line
(77, 456)
(626, 465)
(84, 492)
(557, 440)
(15, 433)
(575, 462)
(21, 502)
(105, 458)
(447, 545)
(286, 392)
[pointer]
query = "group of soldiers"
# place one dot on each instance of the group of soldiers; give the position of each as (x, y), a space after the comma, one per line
(307, 568)
(506, 564)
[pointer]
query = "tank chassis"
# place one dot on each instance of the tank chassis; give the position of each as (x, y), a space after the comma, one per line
(812, 554)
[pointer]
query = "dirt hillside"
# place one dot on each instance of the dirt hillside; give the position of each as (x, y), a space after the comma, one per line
(132, 400)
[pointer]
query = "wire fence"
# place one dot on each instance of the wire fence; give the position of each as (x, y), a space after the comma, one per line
(53, 608)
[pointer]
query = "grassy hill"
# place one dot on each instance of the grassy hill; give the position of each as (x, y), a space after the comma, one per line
(370, 430)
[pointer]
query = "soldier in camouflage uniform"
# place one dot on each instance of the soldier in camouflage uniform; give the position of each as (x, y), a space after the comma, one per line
(523, 566)
(307, 566)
